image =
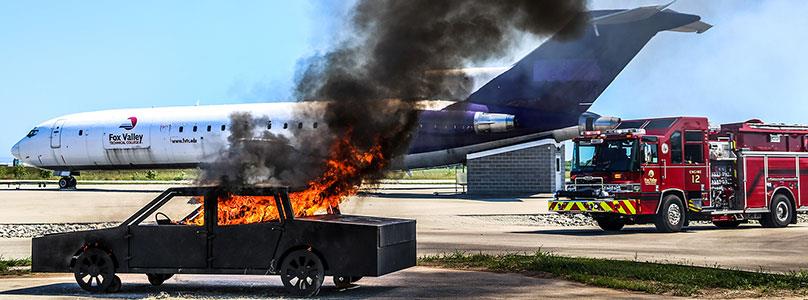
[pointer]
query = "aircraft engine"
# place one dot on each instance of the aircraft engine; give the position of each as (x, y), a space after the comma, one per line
(588, 122)
(594, 122)
(493, 123)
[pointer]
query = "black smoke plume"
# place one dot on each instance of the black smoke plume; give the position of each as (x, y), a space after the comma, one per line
(371, 82)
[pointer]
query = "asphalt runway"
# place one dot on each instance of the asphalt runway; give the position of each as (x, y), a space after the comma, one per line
(447, 222)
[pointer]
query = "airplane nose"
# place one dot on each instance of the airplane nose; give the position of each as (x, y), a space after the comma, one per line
(15, 150)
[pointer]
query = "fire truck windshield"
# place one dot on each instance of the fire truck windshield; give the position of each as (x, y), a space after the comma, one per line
(608, 156)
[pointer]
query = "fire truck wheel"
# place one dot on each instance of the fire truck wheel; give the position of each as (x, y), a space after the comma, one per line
(671, 216)
(780, 215)
(94, 270)
(609, 223)
(727, 224)
(302, 273)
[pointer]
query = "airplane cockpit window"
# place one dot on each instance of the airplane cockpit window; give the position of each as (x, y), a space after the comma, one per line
(33, 132)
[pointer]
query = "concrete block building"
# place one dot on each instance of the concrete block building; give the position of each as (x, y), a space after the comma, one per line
(523, 169)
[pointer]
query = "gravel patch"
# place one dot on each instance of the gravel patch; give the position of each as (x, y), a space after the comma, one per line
(35, 230)
(565, 220)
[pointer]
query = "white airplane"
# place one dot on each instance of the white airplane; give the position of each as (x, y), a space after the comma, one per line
(544, 95)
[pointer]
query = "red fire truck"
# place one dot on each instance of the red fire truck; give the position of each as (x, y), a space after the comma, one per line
(669, 171)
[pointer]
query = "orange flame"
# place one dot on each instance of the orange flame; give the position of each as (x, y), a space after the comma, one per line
(343, 172)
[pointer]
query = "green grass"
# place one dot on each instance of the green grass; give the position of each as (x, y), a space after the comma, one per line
(30, 173)
(654, 278)
(425, 174)
(6, 266)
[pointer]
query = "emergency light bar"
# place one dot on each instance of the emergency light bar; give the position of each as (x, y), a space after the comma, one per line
(628, 132)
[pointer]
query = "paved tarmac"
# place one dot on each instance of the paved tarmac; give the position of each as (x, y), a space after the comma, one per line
(413, 283)
(446, 222)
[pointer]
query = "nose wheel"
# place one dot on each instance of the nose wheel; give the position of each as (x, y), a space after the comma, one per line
(67, 182)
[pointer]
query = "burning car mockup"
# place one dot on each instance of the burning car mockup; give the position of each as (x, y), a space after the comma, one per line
(207, 231)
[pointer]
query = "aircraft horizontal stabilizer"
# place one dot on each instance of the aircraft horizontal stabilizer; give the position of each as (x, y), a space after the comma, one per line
(697, 27)
(629, 15)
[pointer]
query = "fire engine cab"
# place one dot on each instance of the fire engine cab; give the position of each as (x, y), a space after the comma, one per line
(669, 171)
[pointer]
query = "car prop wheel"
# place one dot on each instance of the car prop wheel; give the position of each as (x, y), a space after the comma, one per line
(94, 271)
(158, 279)
(302, 273)
(115, 286)
(343, 282)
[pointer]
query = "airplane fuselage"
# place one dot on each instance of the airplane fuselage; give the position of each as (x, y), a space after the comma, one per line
(186, 137)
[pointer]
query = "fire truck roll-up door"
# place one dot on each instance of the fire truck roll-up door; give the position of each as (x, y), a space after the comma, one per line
(802, 183)
(764, 173)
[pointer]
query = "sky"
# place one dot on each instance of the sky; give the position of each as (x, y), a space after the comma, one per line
(61, 57)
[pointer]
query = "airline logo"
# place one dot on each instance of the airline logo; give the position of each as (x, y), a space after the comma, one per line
(130, 124)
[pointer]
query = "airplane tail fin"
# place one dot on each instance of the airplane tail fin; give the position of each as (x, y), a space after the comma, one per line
(568, 75)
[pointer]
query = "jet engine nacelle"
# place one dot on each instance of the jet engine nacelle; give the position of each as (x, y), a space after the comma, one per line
(588, 122)
(493, 123)
(594, 122)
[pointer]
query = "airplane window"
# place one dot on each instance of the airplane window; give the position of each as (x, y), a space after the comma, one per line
(300, 125)
(194, 128)
(81, 132)
(224, 127)
(285, 125)
(181, 128)
(209, 127)
(315, 124)
(33, 132)
(269, 125)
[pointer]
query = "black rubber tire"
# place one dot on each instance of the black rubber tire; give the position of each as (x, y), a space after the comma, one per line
(64, 183)
(727, 224)
(94, 270)
(780, 213)
(302, 273)
(671, 216)
(609, 223)
(115, 286)
(72, 182)
(156, 279)
(342, 282)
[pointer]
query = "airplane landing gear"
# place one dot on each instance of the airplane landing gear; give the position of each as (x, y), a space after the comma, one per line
(67, 182)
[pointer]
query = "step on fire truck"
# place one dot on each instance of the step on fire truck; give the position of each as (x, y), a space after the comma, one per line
(669, 171)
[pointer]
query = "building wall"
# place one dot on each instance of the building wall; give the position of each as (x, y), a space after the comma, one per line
(524, 171)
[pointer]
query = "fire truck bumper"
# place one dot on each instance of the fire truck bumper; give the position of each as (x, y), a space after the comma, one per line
(625, 207)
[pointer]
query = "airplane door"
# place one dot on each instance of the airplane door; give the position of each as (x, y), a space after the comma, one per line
(56, 134)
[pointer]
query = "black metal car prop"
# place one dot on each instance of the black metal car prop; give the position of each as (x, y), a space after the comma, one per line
(303, 250)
